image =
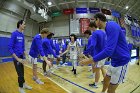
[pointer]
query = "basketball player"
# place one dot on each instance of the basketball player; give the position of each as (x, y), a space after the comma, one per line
(50, 55)
(47, 48)
(35, 50)
(17, 49)
(117, 49)
(88, 35)
(73, 49)
(98, 41)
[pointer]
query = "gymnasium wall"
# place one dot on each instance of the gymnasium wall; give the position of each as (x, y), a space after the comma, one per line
(59, 25)
(10, 14)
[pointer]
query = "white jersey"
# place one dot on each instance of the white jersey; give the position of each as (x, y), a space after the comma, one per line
(73, 50)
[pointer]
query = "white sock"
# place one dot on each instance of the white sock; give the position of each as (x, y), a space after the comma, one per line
(93, 74)
(96, 83)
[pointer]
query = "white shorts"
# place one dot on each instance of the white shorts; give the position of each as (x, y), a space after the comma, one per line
(50, 56)
(117, 74)
(100, 63)
(32, 60)
(73, 56)
(58, 55)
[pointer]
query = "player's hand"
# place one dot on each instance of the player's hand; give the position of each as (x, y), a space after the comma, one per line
(61, 54)
(23, 61)
(49, 63)
(81, 57)
(58, 59)
(86, 61)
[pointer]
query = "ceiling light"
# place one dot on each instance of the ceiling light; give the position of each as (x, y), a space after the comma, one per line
(126, 7)
(49, 3)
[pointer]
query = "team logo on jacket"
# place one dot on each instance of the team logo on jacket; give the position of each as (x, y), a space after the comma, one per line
(20, 39)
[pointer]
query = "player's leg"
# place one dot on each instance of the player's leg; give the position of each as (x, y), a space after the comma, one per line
(118, 77)
(35, 77)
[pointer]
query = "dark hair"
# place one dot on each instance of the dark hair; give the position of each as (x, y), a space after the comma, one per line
(44, 31)
(20, 22)
(87, 32)
(50, 35)
(73, 35)
(92, 24)
(101, 16)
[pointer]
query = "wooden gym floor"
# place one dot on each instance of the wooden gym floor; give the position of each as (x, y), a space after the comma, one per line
(8, 81)
(65, 78)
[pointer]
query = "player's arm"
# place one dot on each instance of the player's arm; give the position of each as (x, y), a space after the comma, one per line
(40, 48)
(50, 49)
(66, 51)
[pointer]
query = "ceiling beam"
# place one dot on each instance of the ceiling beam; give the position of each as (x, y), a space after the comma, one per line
(88, 3)
(136, 3)
(118, 4)
(67, 4)
(98, 2)
(76, 3)
(56, 4)
(123, 9)
(44, 5)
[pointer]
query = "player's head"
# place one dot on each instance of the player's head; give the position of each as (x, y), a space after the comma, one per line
(50, 35)
(44, 32)
(100, 19)
(73, 37)
(59, 41)
(21, 24)
(87, 33)
(92, 26)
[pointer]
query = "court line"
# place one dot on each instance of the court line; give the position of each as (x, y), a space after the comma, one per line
(74, 83)
(51, 80)
(135, 89)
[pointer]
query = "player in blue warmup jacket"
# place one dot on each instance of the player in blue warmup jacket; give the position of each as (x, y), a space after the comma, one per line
(117, 49)
(97, 43)
(47, 48)
(17, 49)
(35, 50)
(50, 55)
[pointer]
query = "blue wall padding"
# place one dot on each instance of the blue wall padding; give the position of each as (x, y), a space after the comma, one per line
(4, 52)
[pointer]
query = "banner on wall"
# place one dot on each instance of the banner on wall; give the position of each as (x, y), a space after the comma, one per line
(55, 14)
(81, 10)
(94, 10)
(74, 26)
(64, 40)
(68, 11)
(84, 23)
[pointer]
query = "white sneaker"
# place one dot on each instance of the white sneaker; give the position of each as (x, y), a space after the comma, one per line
(91, 76)
(45, 73)
(25, 86)
(21, 90)
(38, 81)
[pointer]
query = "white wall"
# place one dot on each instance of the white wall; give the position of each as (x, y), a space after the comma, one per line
(59, 26)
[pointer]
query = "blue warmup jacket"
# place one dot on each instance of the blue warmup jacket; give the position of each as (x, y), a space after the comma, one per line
(47, 47)
(57, 48)
(36, 47)
(16, 44)
(89, 50)
(116, 46)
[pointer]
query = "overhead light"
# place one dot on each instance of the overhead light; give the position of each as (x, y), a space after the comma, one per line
(49, 3)
(126, 7)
